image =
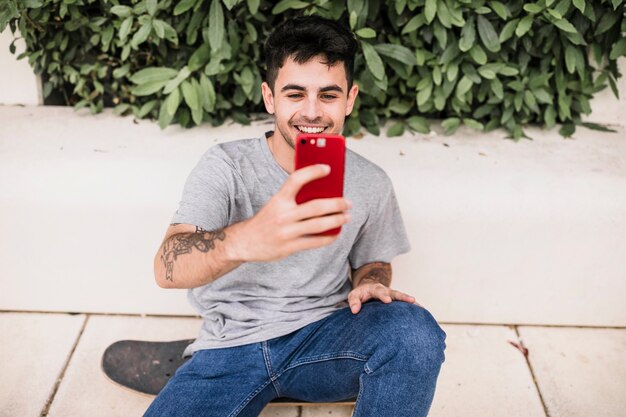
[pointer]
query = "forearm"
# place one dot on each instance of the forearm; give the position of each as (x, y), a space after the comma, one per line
(189, 260)
(379, 272)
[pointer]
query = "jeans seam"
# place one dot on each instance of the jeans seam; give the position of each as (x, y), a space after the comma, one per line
(268, 366)
(248, 399)
(358, 397)
(326, 357)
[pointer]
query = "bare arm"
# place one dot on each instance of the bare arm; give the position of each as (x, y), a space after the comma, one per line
(379, 272)
(190, 256)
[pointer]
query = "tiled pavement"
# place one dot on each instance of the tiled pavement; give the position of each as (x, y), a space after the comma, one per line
(50, 365)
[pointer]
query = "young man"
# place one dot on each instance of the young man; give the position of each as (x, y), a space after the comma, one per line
(284, 310)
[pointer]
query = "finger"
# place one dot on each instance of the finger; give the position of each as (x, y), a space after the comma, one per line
(312, 242)
(321, 207)
(355, 302)
(298, 178)
(383, 294)
(319, 224)
(400, 296)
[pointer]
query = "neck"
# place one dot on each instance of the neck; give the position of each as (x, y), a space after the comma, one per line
(281, 151)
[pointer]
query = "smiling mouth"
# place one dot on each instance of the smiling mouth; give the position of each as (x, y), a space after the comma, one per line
(310, 129)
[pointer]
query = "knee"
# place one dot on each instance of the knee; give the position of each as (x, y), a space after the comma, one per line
(419, 337)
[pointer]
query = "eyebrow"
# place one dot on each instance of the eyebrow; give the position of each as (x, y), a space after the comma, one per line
(333, 87)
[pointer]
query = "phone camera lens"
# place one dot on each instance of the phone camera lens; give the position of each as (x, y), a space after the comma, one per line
(303, 141)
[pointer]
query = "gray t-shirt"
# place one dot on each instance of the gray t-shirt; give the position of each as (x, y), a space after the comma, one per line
(258, 301)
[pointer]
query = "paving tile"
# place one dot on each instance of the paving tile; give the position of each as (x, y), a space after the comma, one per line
(484, 376)
(86, 391)
(580, 372)
(33, 351)
(280, 411)
(327, 411)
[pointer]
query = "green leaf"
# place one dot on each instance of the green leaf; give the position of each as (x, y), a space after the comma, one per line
(599, 127)
(120, 108)
(141, 35)
(174, 83)
(172, 102)
(524, 26)
(207, 94)
(125, 28)
(159, 28)
(230, 3)
(487, 34)
(148, 88)
(121, 11)
(430, 10)
(146, 108)
(415, 23)
(397, 129)
(253, 6)
(200, 57)
(284, 5)
(533, 8)
(450, 125)
(549, 117)
(580, 5)
(164, 117)
(418, 124)
(151, 6)
(487, 72)
(543, 96)
(216, 25)
(183, 6)
(373, 60)
(619, 49)
(508, 30)
(564, 25)
(366, 33)
(478, 55)
(570, 58)
(464, 85)
(474, 124)
(567, 130)
(190, 94)
(152, 74)
(500, 9)
(468, 36)
(607, 21)
(443, 14)
(397, 52)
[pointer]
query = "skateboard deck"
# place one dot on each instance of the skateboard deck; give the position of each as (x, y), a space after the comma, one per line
(145, 367)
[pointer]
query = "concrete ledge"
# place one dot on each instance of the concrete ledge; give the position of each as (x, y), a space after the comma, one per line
(531, 232)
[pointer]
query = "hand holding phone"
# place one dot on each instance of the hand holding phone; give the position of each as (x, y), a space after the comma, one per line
(325, 149)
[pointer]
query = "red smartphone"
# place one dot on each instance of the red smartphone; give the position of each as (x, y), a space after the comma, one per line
(326, 149)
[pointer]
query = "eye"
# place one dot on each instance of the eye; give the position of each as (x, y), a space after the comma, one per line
(328, 96)
(294, 95)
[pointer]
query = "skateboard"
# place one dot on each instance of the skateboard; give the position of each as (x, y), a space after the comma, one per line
(145, 367)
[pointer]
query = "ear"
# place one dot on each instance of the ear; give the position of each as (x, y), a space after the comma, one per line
(268, 97)
(354, 91)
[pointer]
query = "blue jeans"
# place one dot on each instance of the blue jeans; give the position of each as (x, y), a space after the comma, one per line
(388, 356)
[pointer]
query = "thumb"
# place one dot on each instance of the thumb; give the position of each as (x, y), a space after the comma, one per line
(302, 176)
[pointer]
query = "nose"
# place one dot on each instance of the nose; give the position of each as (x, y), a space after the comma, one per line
(312, 108)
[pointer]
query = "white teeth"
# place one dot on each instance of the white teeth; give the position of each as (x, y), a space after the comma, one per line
(310, 129)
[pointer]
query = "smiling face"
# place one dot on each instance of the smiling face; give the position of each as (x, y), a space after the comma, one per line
(308, 98)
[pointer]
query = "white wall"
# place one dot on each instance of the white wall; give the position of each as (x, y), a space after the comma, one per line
(531, 232)
(18, 83)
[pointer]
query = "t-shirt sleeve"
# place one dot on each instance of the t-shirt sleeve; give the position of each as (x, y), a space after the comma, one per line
(206, 198)
(382, 236)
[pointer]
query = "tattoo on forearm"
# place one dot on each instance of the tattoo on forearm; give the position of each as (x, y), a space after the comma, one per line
(184, 243)
(380, 272)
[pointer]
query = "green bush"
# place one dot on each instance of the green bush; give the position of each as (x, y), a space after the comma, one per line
(484, 64)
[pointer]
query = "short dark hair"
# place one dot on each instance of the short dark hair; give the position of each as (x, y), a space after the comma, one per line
(305, 37)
